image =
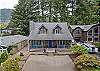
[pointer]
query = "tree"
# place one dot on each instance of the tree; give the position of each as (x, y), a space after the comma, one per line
(10, 65)
(22, 14)
(59, 11)
(38, 10)
(78, 49)
(3, 57)
(87, 62)
(85, 12)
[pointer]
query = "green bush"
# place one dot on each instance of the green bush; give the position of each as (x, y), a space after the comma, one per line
(18, 58)
(78, 49)
(87, 62)
(3, 57)
(10, 65)
(97, 44)
(11, 52)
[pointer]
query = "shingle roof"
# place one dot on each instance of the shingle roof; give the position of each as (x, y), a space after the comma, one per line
(66, 35)
(11, 40)
(84, 27)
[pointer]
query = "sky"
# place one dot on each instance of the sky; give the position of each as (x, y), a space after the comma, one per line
(9, 4)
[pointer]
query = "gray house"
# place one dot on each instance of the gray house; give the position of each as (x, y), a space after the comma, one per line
(90, 33)
(49, 35)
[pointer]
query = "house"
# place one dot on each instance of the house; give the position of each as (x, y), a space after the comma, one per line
(49, 35)
(18, 40)
(2, 47)
(89, 33)
(9, 31)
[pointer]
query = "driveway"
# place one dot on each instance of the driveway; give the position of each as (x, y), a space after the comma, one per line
(48, 63)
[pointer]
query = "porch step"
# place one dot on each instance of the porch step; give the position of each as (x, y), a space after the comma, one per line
(48, 50)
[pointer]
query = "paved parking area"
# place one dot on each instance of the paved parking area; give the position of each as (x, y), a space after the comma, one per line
(48, 63)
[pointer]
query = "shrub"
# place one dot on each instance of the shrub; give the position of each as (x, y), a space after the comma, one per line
(97, 44)
(86, 62)
(11, 52)
(17, 58)
(3, 57)
(78, 49)
(10, 65)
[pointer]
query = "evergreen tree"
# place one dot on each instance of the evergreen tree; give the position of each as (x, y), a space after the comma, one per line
(25, 11)
(85, 12)
(60, 11)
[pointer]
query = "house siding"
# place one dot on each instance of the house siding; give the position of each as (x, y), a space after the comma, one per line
(84, 35)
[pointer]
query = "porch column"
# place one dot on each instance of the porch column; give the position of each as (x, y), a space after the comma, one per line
(42, 43)
(92, 35)
(64, 43)
(57, 43)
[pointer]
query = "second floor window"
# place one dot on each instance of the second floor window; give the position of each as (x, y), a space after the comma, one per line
(77, 31)
(42, 30)
(57, 30)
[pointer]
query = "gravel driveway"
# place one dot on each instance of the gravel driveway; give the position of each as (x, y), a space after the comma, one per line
(48, 63)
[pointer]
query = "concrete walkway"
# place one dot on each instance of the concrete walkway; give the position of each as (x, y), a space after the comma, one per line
(48, 63)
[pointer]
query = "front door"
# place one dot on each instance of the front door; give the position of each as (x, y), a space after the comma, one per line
(50, 44)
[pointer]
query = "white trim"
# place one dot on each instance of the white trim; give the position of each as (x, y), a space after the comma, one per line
(2, 50)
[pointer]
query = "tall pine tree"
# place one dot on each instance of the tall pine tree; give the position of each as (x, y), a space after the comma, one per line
(25, 11)
(85, 12)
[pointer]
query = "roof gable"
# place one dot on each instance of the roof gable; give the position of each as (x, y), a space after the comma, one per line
(57, 26)
(50, 26)
(42, 27)
(83, 27)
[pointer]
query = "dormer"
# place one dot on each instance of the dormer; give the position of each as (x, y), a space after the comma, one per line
(43, 30)
(57, 30)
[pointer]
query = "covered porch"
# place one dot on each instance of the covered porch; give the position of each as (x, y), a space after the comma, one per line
(49, 43)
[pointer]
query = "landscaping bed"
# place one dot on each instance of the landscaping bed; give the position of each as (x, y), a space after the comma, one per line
(83, 60)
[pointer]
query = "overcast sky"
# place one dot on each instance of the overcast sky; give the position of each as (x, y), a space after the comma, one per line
(8, 4)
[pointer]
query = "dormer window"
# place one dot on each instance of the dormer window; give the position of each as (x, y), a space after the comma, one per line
(78, 31)
(57, 30)
(42, 30)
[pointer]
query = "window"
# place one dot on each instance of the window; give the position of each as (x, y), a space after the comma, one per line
(42, 30)
(77, 31)
(89, 39)
(57, 30)
(96, 32)
(90, 32)
(96, 39)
